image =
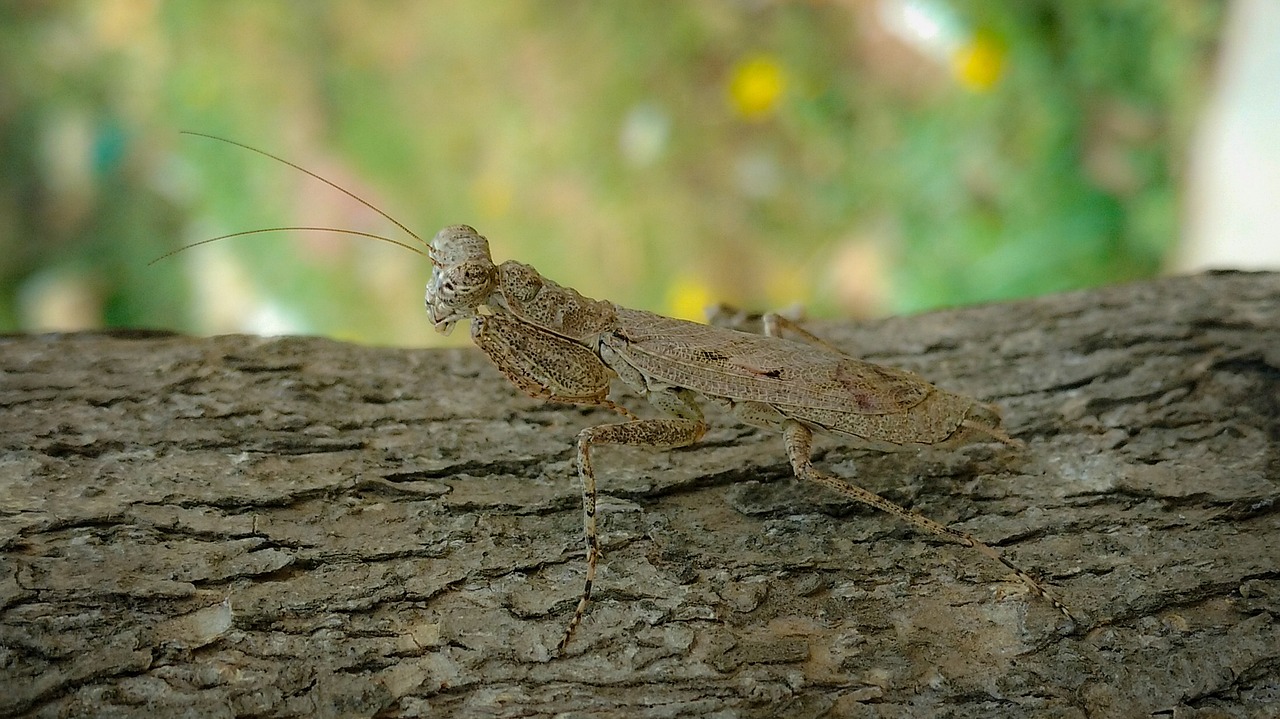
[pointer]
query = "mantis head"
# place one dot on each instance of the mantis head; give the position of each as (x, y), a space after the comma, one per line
(463, 276)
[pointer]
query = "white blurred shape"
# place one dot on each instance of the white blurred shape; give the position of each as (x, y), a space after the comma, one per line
(1234, 181)
(758, 175)
(226, 299)
(55, 300)
(644, 134)
(930, 26)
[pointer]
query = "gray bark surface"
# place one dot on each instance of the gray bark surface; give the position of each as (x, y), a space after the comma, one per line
(238, 526)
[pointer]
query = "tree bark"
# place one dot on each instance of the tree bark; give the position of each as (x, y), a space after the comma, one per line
(299, 527)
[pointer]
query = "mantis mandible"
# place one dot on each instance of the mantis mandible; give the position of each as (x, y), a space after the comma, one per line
(553, 343)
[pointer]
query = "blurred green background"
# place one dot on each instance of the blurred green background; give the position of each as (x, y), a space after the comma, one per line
(859, 158)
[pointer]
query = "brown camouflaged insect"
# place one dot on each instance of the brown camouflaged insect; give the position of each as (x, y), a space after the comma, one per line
(553, 343)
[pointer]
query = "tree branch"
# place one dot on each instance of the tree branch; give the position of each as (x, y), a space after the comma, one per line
(238, 525)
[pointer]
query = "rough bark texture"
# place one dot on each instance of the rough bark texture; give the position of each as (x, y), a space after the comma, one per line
(297, 527)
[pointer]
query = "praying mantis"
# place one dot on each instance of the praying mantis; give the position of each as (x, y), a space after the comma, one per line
(553, 343)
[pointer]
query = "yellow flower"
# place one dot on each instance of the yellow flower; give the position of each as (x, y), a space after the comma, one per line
(688, 299)
(757, 86)
(979, 64)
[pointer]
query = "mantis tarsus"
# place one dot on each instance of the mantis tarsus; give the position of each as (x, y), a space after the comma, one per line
(553, 343)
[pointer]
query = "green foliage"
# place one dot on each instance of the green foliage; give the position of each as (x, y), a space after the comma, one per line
(659, 155)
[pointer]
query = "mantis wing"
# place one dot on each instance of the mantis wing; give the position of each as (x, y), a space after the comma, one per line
(745, 367)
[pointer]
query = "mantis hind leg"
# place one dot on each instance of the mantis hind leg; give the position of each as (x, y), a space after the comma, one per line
(799, 441)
